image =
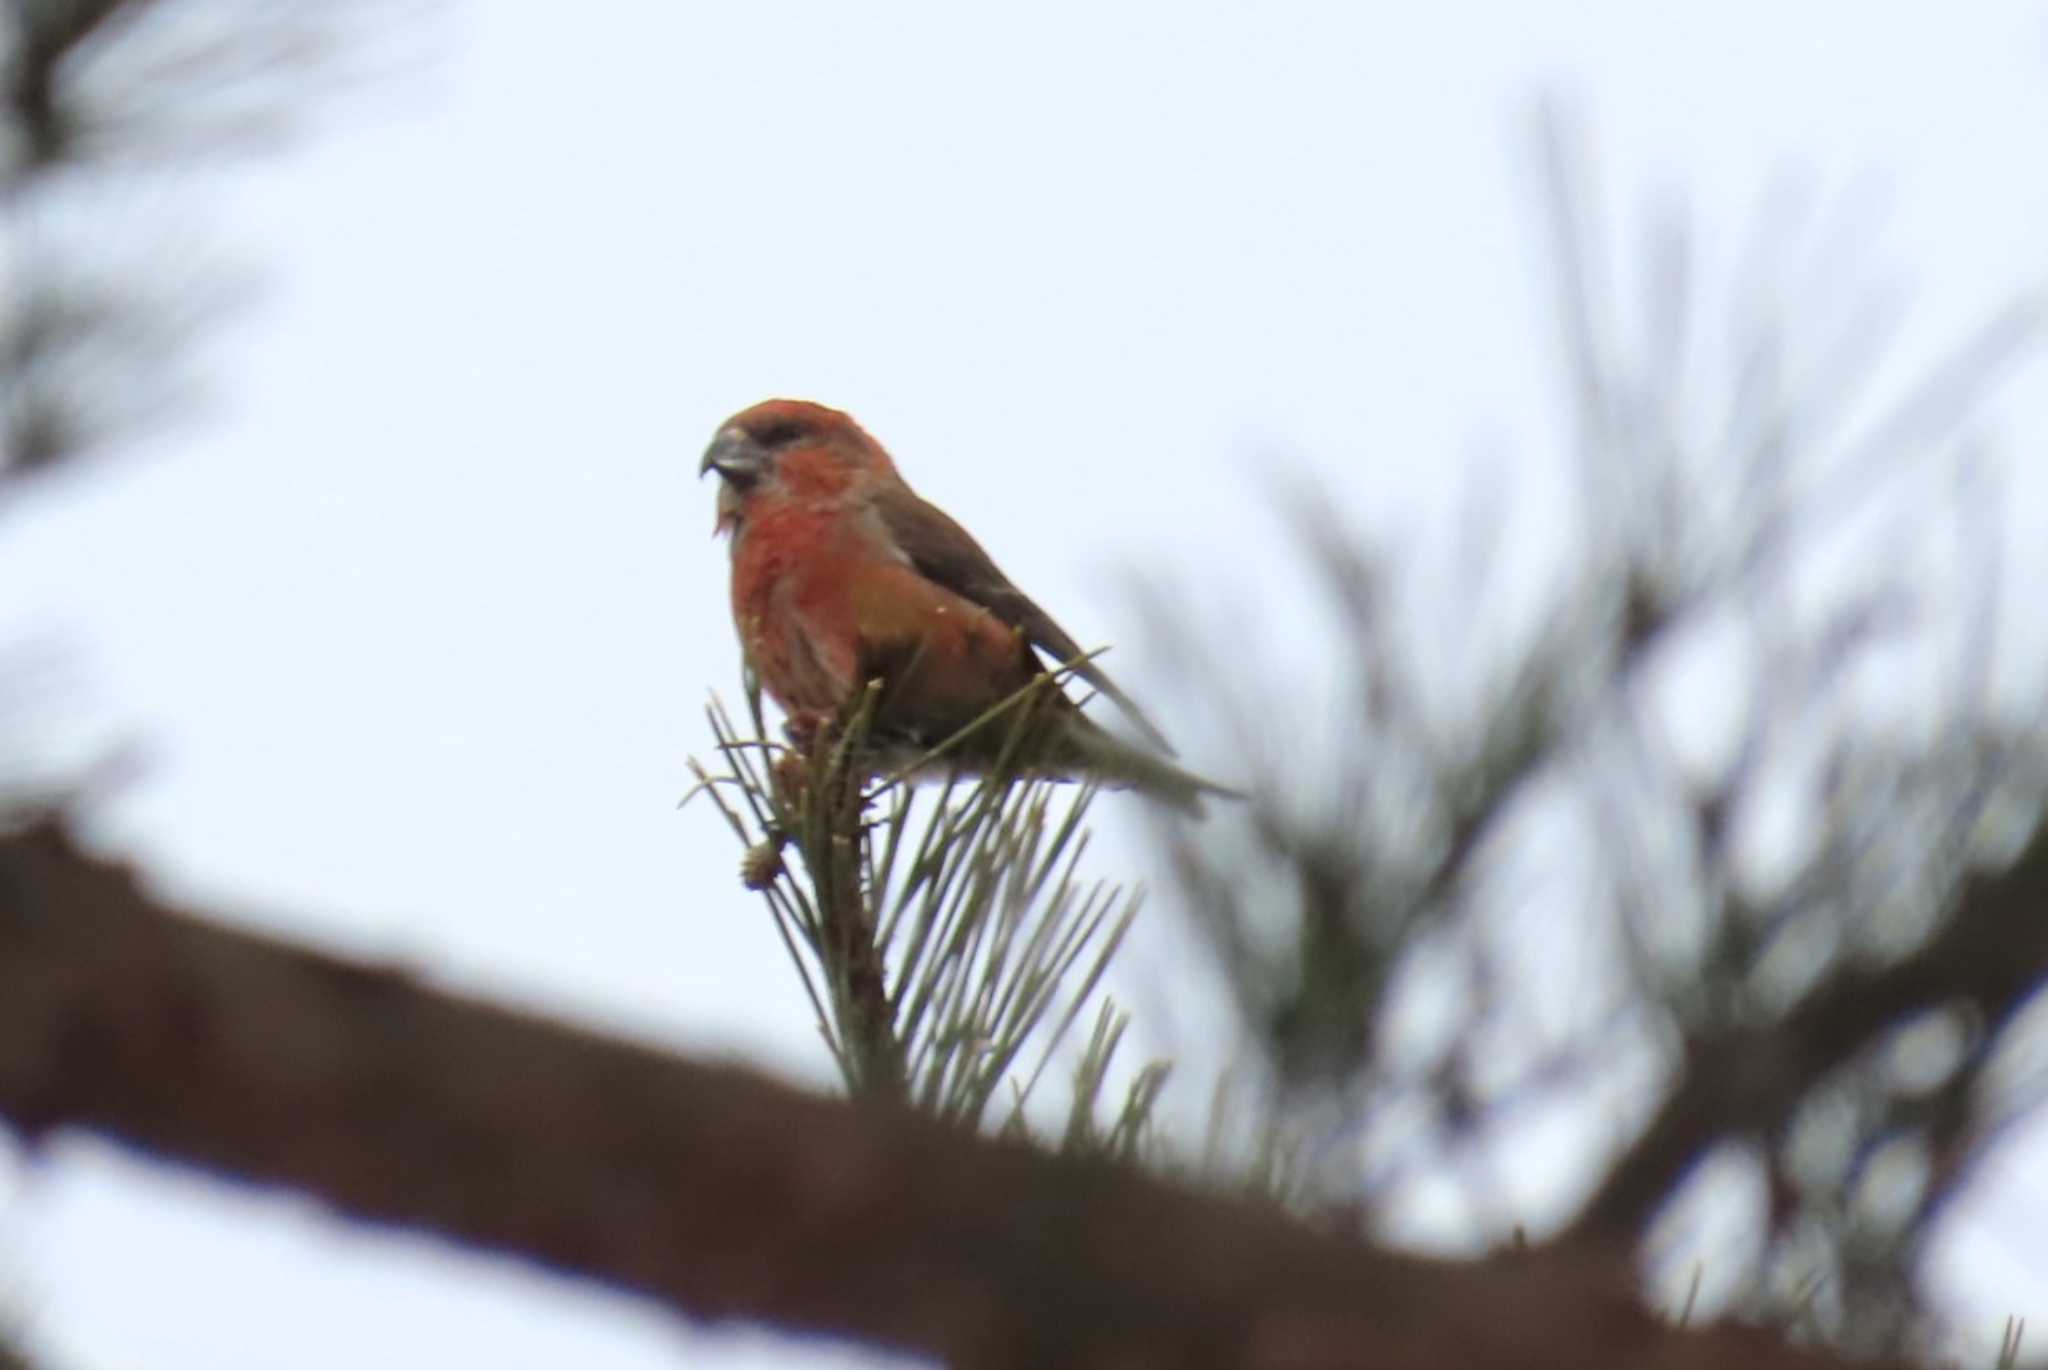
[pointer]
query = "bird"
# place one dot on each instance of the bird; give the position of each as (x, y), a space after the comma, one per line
(842, 576)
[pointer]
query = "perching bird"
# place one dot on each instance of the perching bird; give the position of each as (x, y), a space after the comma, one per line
(841, 575)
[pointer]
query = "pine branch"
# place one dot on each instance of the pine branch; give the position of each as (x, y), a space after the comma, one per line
(944, 933)
(709, 1188)
(99, 309)
(45, 36)
(1991, 954)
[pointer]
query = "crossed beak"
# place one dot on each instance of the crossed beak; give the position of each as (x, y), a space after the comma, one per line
(739, 462)
(734, 456)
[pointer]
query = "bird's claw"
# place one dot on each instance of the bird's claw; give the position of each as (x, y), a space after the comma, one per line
(802, 730)
(792, 773)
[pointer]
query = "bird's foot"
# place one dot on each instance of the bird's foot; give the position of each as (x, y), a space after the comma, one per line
(803, 730)
(792, 776)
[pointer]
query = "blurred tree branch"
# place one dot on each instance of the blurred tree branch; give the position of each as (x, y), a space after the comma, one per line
(47, 34)
(98, 310)
(1989, 955)
(710, 1188)
(1703, 841)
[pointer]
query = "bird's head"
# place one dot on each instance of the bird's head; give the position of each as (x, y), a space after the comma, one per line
(791, 449)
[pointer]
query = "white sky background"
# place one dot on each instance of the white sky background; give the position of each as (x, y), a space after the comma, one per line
(416, 620)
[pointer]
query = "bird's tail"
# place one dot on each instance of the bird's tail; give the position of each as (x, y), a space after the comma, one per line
(1119, 764)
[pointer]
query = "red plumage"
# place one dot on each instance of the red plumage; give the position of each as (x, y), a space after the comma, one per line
(841, 575)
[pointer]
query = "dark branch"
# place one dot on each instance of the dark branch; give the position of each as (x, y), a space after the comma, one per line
(1992, 953)
(710, 1188)
(46, 35)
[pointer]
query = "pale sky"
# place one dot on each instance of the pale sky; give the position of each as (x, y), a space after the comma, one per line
(414, 621)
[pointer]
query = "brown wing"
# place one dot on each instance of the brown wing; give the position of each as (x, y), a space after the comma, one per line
(946, 553)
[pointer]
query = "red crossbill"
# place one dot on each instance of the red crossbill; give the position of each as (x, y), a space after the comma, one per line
(842, 576)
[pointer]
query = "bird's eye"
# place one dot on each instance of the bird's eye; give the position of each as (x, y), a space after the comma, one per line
(780, 434)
